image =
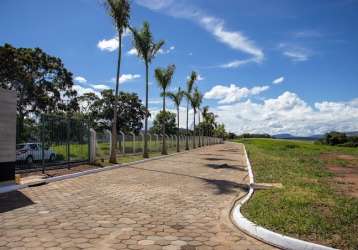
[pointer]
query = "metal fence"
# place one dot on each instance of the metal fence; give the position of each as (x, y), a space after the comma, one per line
(50, 141)
(133, 144)
(55, 141)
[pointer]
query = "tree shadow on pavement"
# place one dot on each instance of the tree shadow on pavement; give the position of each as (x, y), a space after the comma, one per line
(217, 159)
(225, 186)
(13, 200)
(221, 186)
(226, 166)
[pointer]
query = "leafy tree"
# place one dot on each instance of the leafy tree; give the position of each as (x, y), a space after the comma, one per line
(164, 77)
(119, 10)
(42, 83)
(335, 138)
(130, 111)
(189, 88)
(167, 118)
(147, 49)
(220, 131)
(177, 98)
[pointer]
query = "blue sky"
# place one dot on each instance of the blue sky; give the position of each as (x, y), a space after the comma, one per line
(239, 49)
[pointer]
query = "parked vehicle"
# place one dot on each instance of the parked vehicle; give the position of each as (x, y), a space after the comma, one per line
(30, 152)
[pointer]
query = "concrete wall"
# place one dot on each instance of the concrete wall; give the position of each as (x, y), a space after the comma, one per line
(7, 134)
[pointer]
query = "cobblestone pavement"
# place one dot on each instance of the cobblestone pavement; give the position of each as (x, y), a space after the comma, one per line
(180, 202)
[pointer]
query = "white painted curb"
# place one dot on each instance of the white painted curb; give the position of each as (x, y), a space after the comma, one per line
(14, 187)
(263, 234)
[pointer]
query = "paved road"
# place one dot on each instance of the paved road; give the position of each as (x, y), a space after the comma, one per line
(180, 202)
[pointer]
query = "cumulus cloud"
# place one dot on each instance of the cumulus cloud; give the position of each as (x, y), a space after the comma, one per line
(278, 80)
(288, 113)
(83, 90)
(111, 44)
(133, 52)
(108, 45)
(80, 79)
(100, 86)
(125, 78)
(232, 93)
(233, 38)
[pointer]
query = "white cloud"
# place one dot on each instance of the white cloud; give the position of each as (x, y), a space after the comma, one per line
(232, 93)
(307, 34)
(237, 63)
(288, 113)
(294, 52)
(82, 90)
(80, 79)
(278, 80)
(133, 52)
(113, 43)
(166, 51)
(108, 45)
(216, 26)
(100, 86)
(125, 78)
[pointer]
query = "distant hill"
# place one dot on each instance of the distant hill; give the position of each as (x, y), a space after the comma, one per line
(310, 137)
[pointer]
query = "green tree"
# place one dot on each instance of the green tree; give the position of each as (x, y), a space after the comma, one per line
(41, 82)
(220, 131)
(189, 88)
(164, 77)
(119, 10)
(177, 97)
(167, 118)
(195, 101)
(146, 49)
(99, 111)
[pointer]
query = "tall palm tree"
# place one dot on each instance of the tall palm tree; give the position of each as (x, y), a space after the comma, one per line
(177, 97)
(196, 100)
(164, 77)
(189, 88)
(119, 10)
(146, 49)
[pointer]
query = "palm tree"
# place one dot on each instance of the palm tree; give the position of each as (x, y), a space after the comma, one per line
(164, 78)
(196, 100)
(177, 98)
(189, 88)
(146, 49)
(119, 10)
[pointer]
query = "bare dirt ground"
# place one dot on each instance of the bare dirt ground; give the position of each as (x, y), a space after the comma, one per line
(345, 169)
(177, 203)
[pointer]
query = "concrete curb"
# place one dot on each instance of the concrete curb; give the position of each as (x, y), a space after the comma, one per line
(263, 234)
(15, 187)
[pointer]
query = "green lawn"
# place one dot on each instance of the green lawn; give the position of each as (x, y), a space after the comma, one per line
(309, 205)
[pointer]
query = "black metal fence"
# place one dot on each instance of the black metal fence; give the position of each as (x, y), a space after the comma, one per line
(51, 141)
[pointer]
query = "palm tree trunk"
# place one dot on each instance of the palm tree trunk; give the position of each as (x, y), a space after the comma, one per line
(194, 130)
(145, 151)
(178, 148)
(164, 146)
(187, 126)
(113, 156)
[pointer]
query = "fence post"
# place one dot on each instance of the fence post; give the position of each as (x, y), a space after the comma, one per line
(142, 134)
(123, 142)
(43, 144)
(150, 142)
(157, 141)
(110, 139)
(68, 142)
(133, 142)
(92, 146)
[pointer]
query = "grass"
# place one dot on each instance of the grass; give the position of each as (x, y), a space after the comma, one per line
(308, 206)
